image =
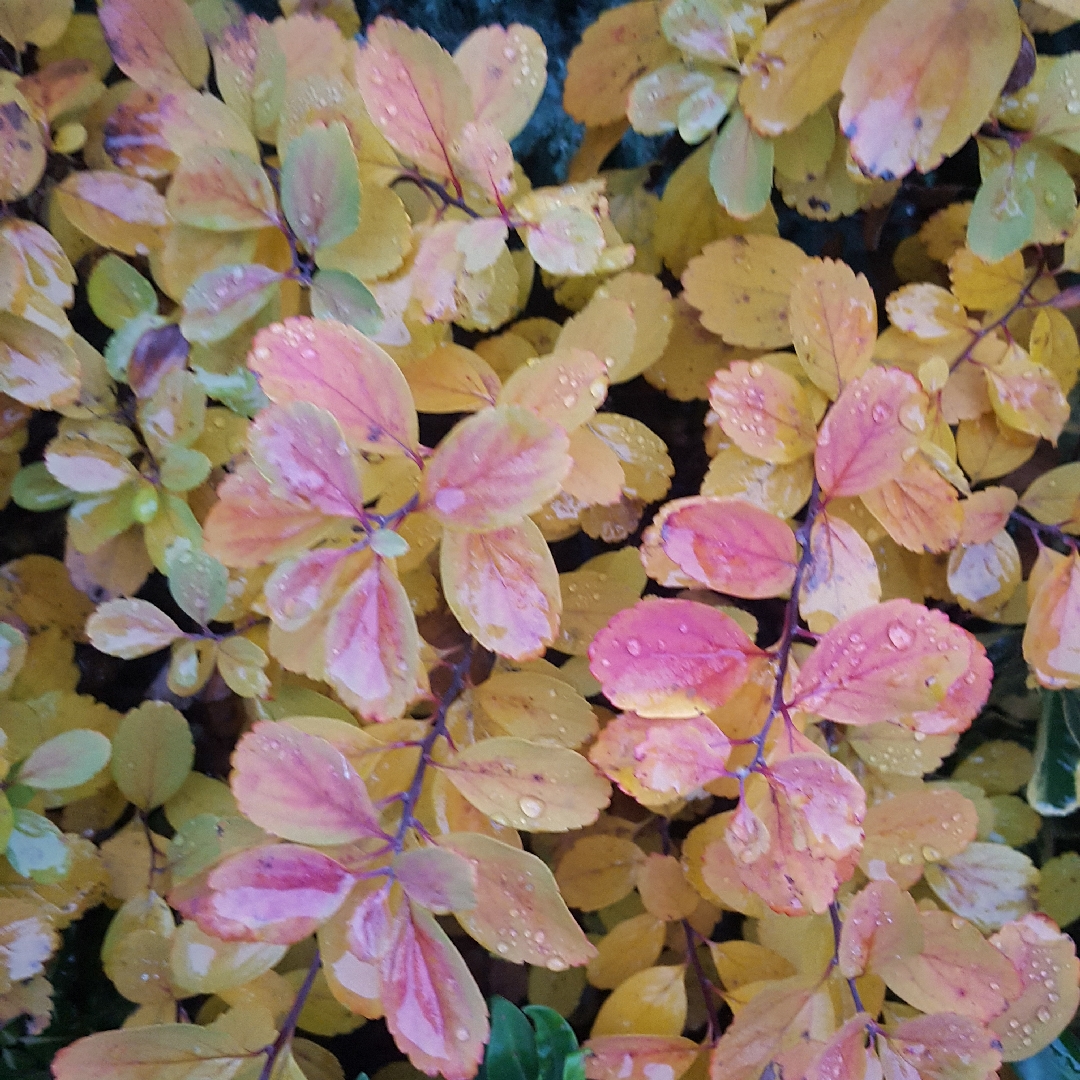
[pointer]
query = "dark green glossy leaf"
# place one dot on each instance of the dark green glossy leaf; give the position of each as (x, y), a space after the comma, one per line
(556, 1042)
(1052, 788)
(511, 1054)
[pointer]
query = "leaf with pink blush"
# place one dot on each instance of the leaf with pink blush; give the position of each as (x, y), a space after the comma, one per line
(565, 387)
(298, 787)
(679, 756)
(278, 894)
(299, 587)
(1052, 634)
(846, 1054)
(352, 942)
(494, 468)
(434, 1009)
(482, 158)
(129, 628)
(503, 587)
(320, 186)
(729, 545)
(943, 1046)
(373, 646)
(302, 452)
(414, 92)
(877, 420)
(249, 525)
(842, 576)
(881, 924)
(889, 662)
(671, 658)
(638, 1057)
(437, 879)
(335, 367)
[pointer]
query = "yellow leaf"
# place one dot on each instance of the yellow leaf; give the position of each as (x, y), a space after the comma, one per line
(987, 449)
(989, 884)
(782, 489)
(598, 871)
(984, 286)
(27, 22)
(664, 890)
(983, 577)
(1059, 888)
(652, 1002)
(633, 945)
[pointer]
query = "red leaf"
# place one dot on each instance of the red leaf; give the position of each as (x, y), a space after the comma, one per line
(896, 661)
(335, 367)
(494, 468)
(672, 658)
(434, 1008)
(373, 646)
(301, 451)
(729, 545)
(278, 894)
(862, 442)
(299, 787)
(503, 587)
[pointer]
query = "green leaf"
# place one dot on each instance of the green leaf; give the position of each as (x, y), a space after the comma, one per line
(223, 299)
(118, 292)
(556, 1042)
(1055, 194)
(35, 488)
(320, 186)
(19, 796)
(336, 294)
(36, 848)
(184, 469)
(511, 1054)
(574, 1065)
(1052, 789)
(7, 821)
(66, 760)
(238, 390)
(152, 754)
(197, 581)
(1003, 217)
(1058, 1061)
(121, 345)
(741, 168)
(13, 649)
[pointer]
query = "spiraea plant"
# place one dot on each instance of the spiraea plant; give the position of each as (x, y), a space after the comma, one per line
(315, 443)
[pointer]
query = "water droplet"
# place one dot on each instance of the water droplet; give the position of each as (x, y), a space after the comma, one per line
(900, 636)
(531, 807)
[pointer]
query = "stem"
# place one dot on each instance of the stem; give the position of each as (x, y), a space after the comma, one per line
(435, 188)
(288, 1028)
(708, 991)
(837, 928)
(1037, 529)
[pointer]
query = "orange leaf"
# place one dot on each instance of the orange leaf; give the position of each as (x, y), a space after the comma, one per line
(673, 658)
(1027, 396)
(927, 823)
(877, 419)
(763, 410)
(922, 78)
(889, 662)
(493, 468)
(1052, 634)
(414, 92)
(373, 646)
(880, 925)
(919, 508)
(565, 388)
(519, 914)
(1045, 961)
(335, 367)
(298, 787)
(503, 587)
(664, 890)
(833, 317)
(157, 43)
(729, 545)
(434, 1009)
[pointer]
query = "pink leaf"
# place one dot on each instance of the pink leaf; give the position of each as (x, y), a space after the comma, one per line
(682, 755)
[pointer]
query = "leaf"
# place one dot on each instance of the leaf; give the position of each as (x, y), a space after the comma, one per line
(338, 369)
(414, 93)
(681, 756)
(741, 168)
(699, 662)
(36, 848)
(221, 190)
(919, 509)
(833, 317)
(503, 587)
(24, 153)
(529, 786)
(1054, 497)
(894, 661)
(340, 296)
(511, 1054)
(86, 466)
(451, 379)
(152, 754)
(741, 285)
(598, 871)
(203, 964)
(877, 418)
(241, 664)
(35, 24)
(881, 924)
(988, 884)
(921, 100)
(1027, 396)
(796, 64)
(942, 1046)
(729, 546)
(66, 760)
(1035, 946)
(493, 468)
(610, 1054)
(197, 581)
(652, 1002)
(278, 895)
(439, 880)
(763, 411)
(614, 52)
(985, 286)
(983, 577)
(222, 300)
(298, 787)
(118, 292)
(515, 892)
(664, 890)
(168, 1051)
(842, 576)
(506, 71)
(537, 707)
(372, 645)
(1050, 644)
(159, 47)
(564, 388)
(1052, 789)
(320, 186)
(115, 210)
(434, 1009)
(632, 946)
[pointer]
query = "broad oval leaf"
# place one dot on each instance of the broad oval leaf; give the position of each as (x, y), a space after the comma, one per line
(530, 786)
(115, 210)
(298, 787)
(495, 467)
(153, 752)
(223, 299)
(671, 658)
(320, 186)
(129, 628)
(36, 367)
(842, 576)
(1050, 637)
(221, 190)
(441, 881)
(203, 964)
(158, 45)
(66, 760)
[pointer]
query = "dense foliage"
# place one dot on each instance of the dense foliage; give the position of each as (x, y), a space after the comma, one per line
(378, 715)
